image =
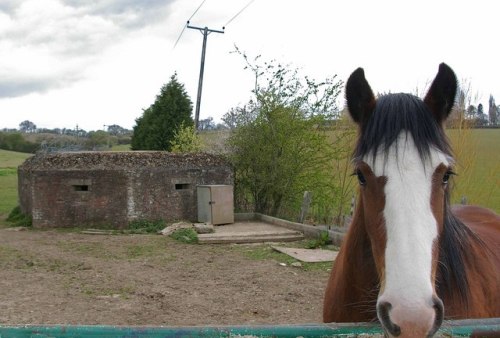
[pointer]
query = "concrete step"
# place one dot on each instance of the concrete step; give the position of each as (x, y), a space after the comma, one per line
(215, 238)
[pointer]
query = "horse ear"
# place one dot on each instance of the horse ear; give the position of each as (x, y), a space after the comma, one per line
(441, 95)
(359, 97)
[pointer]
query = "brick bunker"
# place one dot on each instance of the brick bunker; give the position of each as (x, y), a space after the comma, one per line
(110, 189)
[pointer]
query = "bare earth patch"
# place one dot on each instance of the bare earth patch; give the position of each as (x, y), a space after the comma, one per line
(54, 277)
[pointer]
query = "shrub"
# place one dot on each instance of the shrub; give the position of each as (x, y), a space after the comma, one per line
(186, 140)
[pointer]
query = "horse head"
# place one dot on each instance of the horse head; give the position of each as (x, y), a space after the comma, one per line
(403, 163)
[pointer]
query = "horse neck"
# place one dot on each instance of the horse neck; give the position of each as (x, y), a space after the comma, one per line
(465, 281)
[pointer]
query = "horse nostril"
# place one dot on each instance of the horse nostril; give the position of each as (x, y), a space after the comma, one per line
(383, 309)
(438, 320)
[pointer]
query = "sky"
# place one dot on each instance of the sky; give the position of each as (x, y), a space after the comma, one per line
(94, 63)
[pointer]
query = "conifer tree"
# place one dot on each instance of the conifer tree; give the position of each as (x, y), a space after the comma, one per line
(156, 128)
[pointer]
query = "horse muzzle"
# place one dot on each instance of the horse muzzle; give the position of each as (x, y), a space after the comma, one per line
(405, 320)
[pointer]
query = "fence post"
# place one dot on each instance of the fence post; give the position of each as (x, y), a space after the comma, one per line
(353, 204)
(306, 203)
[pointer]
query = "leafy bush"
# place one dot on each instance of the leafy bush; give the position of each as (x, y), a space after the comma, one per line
(280, 145)
(16, 142)
(186, 140)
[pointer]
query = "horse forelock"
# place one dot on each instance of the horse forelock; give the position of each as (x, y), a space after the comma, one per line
(393, 114)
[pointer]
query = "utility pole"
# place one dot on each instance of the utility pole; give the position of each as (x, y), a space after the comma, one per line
(205, 31)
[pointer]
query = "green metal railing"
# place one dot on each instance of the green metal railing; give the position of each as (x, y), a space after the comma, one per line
(464, 328)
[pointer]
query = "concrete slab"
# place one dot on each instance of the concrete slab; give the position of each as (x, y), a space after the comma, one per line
(250, 232)
(308, 255)
(250, 227)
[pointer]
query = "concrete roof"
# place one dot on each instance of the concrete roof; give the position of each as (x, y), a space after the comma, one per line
(121, 160)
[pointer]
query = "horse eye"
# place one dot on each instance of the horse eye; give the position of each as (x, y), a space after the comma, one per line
(361, 178)
(447, 175)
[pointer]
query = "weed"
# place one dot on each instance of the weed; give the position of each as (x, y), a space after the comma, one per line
(89, 249)
(187, 235)
(18, 219)
(14, 258)
(265, 252)
(320, 242)
(103, 292)
(136, 251)
(145, 226)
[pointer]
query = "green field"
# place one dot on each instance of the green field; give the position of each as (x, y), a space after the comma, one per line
(477, 155)
(121, 147)
(478, 169)
(9, 160)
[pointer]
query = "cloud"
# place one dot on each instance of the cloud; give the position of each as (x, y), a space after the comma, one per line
(130, 14)
(21, 86)
(7, 6)
(46, 43)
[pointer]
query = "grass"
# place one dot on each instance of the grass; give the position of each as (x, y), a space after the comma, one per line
(155, 248)
(90, 249)
(121, 147)
(8, 194)
(8, 171)
(477, 152)
(11, 257)
(9, 161)
(478, 168)
(143, 251)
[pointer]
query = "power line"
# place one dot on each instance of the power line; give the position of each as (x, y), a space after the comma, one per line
(177, 41)
(241, 11)
(184, 28)
(196, 11)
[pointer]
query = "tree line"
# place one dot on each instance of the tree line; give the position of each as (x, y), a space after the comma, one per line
(30, 139)
(466, 113)
(28, 127)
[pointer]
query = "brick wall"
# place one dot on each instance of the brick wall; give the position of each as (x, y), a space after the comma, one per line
(95, 190)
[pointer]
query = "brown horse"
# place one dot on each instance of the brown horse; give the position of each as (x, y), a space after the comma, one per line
(409, 258)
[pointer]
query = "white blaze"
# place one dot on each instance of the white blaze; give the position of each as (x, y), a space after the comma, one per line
(410, 224)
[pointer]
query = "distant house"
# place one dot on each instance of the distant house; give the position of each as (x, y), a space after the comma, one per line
(110, 189)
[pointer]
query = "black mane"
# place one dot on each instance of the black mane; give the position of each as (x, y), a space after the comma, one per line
(454, 245)
(394, 113)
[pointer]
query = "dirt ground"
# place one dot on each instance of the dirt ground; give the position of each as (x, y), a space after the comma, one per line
(56, 277)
